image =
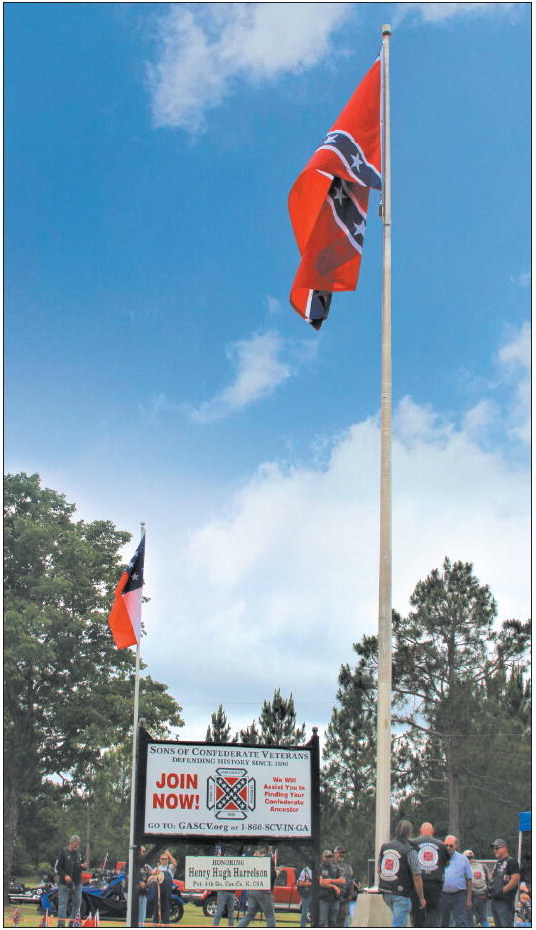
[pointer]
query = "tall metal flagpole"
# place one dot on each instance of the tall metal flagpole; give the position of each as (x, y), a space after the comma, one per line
(383, 758)
(131, 844)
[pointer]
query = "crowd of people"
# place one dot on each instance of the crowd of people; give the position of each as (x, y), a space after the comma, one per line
(422, 876)
(439, 886)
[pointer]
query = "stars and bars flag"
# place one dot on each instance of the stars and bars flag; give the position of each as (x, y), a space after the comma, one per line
(125, 615)
(329, 200)
(15, 917)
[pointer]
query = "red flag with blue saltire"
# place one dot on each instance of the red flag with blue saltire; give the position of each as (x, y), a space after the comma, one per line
(328, 202)
(125, 615)
(15, 917)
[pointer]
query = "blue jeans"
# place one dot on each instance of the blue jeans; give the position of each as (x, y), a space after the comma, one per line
(259, 901)
(327, 912)
(479, 911)
(304, 911)
(401, 908)
(142, 912)
(64, 892)
(224, 899)
(503, 912)
(455, 903)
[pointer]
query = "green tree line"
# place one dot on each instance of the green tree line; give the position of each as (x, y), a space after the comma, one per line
(67, 689)
(461, 705)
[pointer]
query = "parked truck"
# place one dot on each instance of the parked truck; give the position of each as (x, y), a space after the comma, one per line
(285, 893)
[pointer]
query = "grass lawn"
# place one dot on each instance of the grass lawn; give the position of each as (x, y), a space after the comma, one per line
(193, 917)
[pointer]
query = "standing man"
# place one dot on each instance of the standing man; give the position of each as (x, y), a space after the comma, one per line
(456, 897)
(433, 858)
(504, 882)
(481, 880)
(69, 866)
(400, 873)
(225, 901)
(331, 881)
(347, 871)
(143, 875)
(305, 890)
(261, 900)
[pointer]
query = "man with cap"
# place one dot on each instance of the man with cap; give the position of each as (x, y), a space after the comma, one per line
(347, 871)
(399, 873)
(331, 881)
(433, 859)
(456, 897)
(504, 882)
(481, 879)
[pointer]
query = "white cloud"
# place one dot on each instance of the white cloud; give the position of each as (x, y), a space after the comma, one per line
(203, 48)
(440, 12)
(262, 363)
(273, 592)
(514, 359)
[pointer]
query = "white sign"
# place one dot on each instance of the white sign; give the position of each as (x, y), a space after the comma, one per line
(223, 872)
(227, 791)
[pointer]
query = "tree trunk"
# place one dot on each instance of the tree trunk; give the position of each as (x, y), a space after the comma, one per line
(453, 790)
(11, 818)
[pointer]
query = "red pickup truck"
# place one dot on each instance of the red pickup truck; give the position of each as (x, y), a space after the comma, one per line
(285, 893)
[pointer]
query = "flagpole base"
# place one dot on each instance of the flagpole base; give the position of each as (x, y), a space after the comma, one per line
(371, 911)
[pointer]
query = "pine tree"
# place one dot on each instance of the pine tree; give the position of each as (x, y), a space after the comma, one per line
(445, 649)
(219, 729)
(277, 721)
(461, 724)
(249, 736)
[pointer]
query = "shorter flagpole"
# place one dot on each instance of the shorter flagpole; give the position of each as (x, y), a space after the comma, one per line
(131, 844)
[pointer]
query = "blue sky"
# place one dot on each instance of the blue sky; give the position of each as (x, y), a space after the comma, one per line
(155, 371)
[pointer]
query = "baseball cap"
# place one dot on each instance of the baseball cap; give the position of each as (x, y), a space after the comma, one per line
(469, 853)
(327, 852)
(339, 849)
(497, 843)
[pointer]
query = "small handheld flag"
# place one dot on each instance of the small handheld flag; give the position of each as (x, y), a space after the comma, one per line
(44, 920)
(125, 615)
(15, 917)
(329, 200)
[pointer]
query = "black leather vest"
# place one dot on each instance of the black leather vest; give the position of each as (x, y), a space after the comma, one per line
(433, 857)
(395, 873)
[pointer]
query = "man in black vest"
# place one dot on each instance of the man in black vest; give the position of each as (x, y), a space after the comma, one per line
(504, 882)
(400, 873)
(433, 857)
(69, 866)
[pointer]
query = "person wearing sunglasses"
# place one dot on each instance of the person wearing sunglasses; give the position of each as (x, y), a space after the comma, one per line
(457, 894)
(504, 882)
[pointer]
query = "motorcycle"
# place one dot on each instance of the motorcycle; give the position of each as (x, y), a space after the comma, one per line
(19, 894)
(105, 894)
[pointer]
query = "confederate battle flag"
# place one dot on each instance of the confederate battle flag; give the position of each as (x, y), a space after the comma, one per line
(328, 202)
(125, 615)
